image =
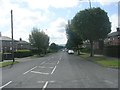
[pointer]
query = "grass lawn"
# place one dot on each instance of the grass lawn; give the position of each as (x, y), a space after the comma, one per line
(104, 61)
(4, 64)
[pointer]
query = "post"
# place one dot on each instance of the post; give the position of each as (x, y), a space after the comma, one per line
(12, 36)
(90, 4)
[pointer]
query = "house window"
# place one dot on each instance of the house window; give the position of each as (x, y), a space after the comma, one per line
(118, 37)
(113, 38)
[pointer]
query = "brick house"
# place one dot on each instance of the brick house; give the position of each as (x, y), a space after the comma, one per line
(113, 38)
(6, 44)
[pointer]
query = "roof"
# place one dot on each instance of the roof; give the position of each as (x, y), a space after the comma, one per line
(114, 34)
(5, 38)
(22, 42)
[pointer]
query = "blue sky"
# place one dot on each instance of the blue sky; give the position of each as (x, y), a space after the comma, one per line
(50, 16)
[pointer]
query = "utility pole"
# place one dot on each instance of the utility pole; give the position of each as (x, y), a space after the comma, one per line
(90, 3)
(12, 36)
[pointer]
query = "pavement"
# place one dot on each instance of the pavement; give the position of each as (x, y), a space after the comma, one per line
(58, 70)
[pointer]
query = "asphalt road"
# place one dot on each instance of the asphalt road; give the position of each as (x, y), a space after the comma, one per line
(59, 70)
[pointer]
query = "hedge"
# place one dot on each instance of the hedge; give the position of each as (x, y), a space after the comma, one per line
(113, 51)
(22, 53)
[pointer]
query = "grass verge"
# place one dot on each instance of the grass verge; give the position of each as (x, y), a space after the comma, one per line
(102, 60)
(4, 64)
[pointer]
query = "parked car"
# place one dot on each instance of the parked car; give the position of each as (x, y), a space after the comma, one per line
(70, 52)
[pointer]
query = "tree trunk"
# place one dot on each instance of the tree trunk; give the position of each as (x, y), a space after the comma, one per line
(78, 50)
(91, 51)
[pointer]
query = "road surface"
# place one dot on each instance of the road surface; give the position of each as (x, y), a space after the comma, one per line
(58, 70)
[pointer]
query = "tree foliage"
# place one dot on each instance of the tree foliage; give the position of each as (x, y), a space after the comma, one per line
(39, 40)
(74, 39)
(54, 47)
(93, 24)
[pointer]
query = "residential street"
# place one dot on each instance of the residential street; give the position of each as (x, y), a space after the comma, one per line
(58, 70)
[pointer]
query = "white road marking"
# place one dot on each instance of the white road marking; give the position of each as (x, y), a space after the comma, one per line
(30, 70)
(52, 57)
(40, 81)
(60, 59)
(39, 72)
(53, 70)
(52, 81)
(5, 84)
(45, 85)
(44, 67)
(42, 63)
(49, 63)
(58, 62)
(108, 82)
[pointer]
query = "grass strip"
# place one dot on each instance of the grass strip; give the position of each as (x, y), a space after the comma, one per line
(4, 64)
(102, 60)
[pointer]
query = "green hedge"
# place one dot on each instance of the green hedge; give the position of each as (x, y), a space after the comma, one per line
(85, 50)
(113, 51)
(23, 53)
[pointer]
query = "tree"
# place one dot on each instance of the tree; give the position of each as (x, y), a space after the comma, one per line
(74, 38)
(93, 24)
(54, 47)
(39, 40)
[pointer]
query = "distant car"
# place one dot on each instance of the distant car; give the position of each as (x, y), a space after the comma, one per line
(70, 52)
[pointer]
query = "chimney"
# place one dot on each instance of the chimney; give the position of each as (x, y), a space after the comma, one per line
(0, 34)
(20, 39)
(118, 29)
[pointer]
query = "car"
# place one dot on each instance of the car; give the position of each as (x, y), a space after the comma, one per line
(70, 52)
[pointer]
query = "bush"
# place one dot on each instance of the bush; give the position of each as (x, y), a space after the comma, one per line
(112, 51)
(7, 56)
(23, 53)
(85, 50)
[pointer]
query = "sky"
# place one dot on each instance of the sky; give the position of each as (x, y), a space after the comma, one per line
(50, 16)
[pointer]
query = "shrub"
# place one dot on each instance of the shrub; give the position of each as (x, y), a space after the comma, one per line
(23, 53)
(85, 50)
(113, 51)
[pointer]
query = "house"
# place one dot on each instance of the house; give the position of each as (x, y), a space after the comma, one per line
(113, 38)
(6, 44)
(23, 45)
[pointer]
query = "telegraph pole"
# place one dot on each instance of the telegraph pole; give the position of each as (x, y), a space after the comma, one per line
(90, 3)
(12, 36)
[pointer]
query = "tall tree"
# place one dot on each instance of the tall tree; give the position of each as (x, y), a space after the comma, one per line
(93, 24)
(39, 40)
(74, 38)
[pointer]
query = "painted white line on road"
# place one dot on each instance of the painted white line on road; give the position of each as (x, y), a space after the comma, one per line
(39, 72)
(58, 62)
(52, 57)
(53, 70)
(5, 84)
(30, 70)
(108, 82)
(60, 59)
(49, 63)
(40, 81)
(42, 63)
(45, 85)
(44, 67)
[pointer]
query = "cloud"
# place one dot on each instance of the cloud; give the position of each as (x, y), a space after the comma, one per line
(114, 22)
(45, 4)
(102, 2)
(56, 31)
